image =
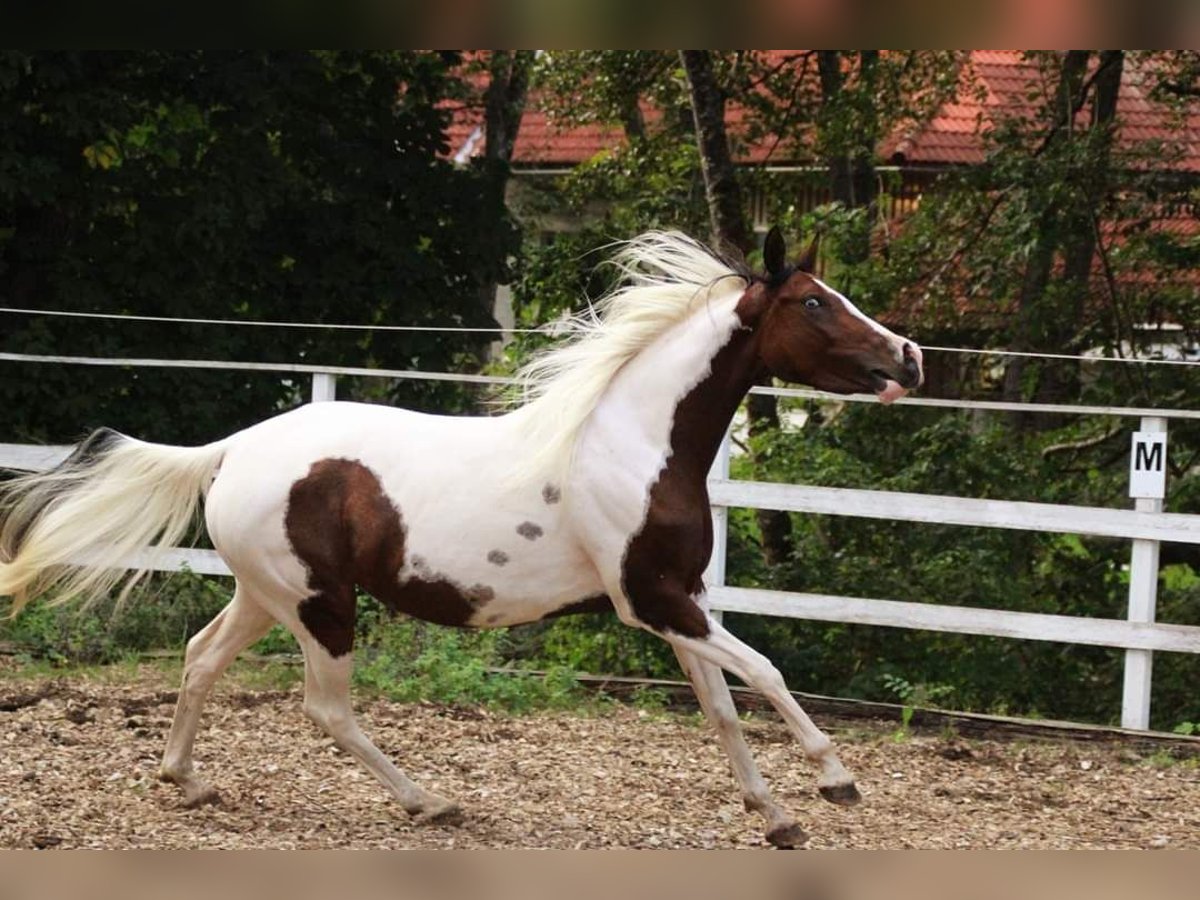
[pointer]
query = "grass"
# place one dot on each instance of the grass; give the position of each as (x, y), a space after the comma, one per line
(1169, 759)
(457, 680)
(399, 659)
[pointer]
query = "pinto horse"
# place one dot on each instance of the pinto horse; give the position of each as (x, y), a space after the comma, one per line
(590, 495)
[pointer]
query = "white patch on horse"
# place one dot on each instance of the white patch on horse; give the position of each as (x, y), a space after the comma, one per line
(894, 339)
(627, 442)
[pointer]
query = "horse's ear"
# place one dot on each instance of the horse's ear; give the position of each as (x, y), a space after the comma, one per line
(807, 262)
(774, 252)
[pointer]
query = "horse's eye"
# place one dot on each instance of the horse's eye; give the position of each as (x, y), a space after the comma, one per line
(812, 302)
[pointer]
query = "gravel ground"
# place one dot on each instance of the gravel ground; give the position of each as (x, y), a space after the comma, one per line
(79, 760)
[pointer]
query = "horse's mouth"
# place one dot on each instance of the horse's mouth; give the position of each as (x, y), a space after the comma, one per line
(885, 387)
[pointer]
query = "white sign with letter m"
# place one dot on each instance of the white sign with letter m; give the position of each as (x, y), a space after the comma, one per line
(1148, 465)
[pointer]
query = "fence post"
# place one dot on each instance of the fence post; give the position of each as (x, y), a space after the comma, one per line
(714, 575)
(1143, 596)
(324, 387)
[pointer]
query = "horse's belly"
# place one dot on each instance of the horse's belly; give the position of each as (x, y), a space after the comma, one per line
(504, 583)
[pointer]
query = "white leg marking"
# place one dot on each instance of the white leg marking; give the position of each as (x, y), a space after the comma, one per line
(327, 702)
(723, 649)
(713, 693)
(209, 653)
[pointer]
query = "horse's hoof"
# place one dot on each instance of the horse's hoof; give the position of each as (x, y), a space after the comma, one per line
(193, 798)
(450, 815)
(787, 837)
(841, 794)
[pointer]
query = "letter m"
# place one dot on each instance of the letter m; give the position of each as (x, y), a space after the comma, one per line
(1148, 457)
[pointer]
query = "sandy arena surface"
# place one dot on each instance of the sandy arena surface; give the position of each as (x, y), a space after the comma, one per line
(80, 756)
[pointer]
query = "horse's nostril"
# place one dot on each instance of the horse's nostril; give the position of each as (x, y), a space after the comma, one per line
(912, 372)
(912, 364)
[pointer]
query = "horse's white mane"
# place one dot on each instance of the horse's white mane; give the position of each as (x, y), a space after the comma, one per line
(665, 276)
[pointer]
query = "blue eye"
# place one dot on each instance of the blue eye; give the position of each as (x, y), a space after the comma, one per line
(812, 302)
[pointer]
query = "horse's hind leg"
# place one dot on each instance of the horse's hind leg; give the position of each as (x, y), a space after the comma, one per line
(209, 653)
(327, 702)
(713, 693)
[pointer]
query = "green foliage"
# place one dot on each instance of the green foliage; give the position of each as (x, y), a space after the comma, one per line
(929, 452)
(258, 185)
(296, 186)
(407, 660)
(914, 695)
(991, 216)
(600, 644)
(163, 615)
(399, 658)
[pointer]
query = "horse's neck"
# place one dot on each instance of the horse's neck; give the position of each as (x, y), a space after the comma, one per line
(681, 392)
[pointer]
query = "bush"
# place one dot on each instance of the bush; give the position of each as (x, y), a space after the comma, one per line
(163, 615)
(408, 660)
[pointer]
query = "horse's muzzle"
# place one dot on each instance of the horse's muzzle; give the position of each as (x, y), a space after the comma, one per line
(912, 372)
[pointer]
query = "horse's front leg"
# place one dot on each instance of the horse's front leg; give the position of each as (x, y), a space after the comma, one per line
(717, 703)
(663, 606)
(721, 648)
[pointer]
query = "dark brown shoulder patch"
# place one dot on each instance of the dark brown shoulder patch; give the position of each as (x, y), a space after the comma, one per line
(664, 563)
(344, 528)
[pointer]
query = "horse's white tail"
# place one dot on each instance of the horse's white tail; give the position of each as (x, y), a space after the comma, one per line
(72, 531)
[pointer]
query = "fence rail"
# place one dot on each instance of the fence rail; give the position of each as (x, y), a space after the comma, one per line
(1147, 525)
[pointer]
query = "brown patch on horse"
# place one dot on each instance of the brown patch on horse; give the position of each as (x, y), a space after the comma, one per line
(595, 603)
(497, 557)
(665, 560)
(348, 533)
(551, 494)
(530, 531)
(479, 594)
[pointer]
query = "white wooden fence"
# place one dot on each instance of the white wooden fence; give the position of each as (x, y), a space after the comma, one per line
(1146, 526)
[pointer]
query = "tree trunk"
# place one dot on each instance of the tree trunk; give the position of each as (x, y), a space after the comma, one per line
(730, 232)
(504, 101)
(504, 107)
(1078, 229)
(852, 169)
(1036, 327)
(1080, 238)
(725, 210)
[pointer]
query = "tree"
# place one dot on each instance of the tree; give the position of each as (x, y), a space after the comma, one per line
(726, 208)
(297, 186)
(973, 242)
(504, 107)
(848, 129)
(731, 233)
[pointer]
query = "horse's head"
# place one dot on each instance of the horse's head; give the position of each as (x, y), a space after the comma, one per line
(811, 334)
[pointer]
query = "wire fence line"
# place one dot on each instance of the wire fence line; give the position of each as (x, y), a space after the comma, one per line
(502, 381)
(547, 329)
(551, 329)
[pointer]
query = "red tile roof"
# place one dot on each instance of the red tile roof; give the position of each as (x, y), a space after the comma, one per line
(998, 83)
(993, 84)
